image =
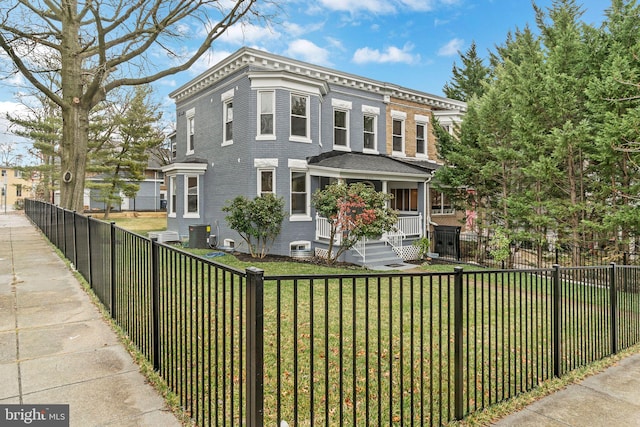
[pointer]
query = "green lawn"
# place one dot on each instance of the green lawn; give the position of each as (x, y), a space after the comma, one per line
(364, 348)
(141, 225)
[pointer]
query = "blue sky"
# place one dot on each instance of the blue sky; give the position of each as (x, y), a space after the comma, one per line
(411, 43)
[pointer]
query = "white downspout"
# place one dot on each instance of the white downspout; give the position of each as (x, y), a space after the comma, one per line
(427, 203)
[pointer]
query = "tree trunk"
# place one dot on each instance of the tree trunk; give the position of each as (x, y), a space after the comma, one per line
(75, 112)
(74, 157)
(574, 218)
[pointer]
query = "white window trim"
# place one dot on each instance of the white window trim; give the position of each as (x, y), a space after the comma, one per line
(402, 117)
(375, 113)
(346, 147)
(186, 214)
(346, 107)
(172, 192)
(440, 211)
(225, 102)
(423, 120)
(190, 114)
(296, 138)
(260, 136)
(296, 165)
(259, 179)
(263, 165)
(305, 243)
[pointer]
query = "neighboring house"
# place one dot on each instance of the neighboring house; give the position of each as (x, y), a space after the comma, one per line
(15, 186)
(151, 196)
(260, 123)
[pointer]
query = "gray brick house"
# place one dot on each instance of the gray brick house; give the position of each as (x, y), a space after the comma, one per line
(258, 122)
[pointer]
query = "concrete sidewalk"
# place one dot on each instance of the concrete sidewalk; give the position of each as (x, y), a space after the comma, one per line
(610, 398)
(55, 347)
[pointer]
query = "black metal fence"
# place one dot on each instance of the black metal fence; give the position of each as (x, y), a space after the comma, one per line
(451, 246)
(239, 347)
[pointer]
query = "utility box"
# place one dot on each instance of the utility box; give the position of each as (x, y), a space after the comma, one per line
(199, 236)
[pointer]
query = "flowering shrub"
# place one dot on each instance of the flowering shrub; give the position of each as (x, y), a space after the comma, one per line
(353, 211)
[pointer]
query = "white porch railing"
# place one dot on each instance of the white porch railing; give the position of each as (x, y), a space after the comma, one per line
(323, 230)
(408, 226)
(405, 227)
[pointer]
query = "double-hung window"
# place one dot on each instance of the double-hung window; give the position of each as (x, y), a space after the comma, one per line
(299, 193)
(228, 121)
(420, 139)
(173, 197)
(369, 128)
(191, 131)
(398, 119)
(300, 118)
(341, 113)
(422, 145)
(192, 196)
(340, 128)
(226, 98)
(398, 136)
(266, 181)
(369, 132)
(266, 117)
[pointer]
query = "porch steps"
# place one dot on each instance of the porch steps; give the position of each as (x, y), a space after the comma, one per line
(380, 256)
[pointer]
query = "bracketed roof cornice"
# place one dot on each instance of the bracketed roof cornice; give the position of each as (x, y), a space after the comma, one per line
(247, 57)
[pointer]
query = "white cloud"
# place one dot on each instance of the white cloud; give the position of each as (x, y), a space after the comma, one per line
(375, 6)
(297, 30)
(243, 34)
(335, 43)
(391, 54)
(308, 51)
(418, 5)
(208, 60)
(451, 48)
(385, 6)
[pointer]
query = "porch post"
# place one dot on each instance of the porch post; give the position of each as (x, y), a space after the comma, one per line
(385, 190)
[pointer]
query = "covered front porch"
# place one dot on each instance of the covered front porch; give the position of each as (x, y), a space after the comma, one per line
(409, 185)
(393, 246)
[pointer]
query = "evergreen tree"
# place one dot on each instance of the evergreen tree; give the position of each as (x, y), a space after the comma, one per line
(43, 128)
(567, 140)
(614, 108)
(526, 144)
(468, 81)
(122, 155)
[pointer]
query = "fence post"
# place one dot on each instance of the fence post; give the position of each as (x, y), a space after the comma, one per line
(155, 303)
(255, 347)
(613, 297)
(458, 378)
(63, 246)
(113, 270)
(75, 241)
(89, 257)
(557, 347)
